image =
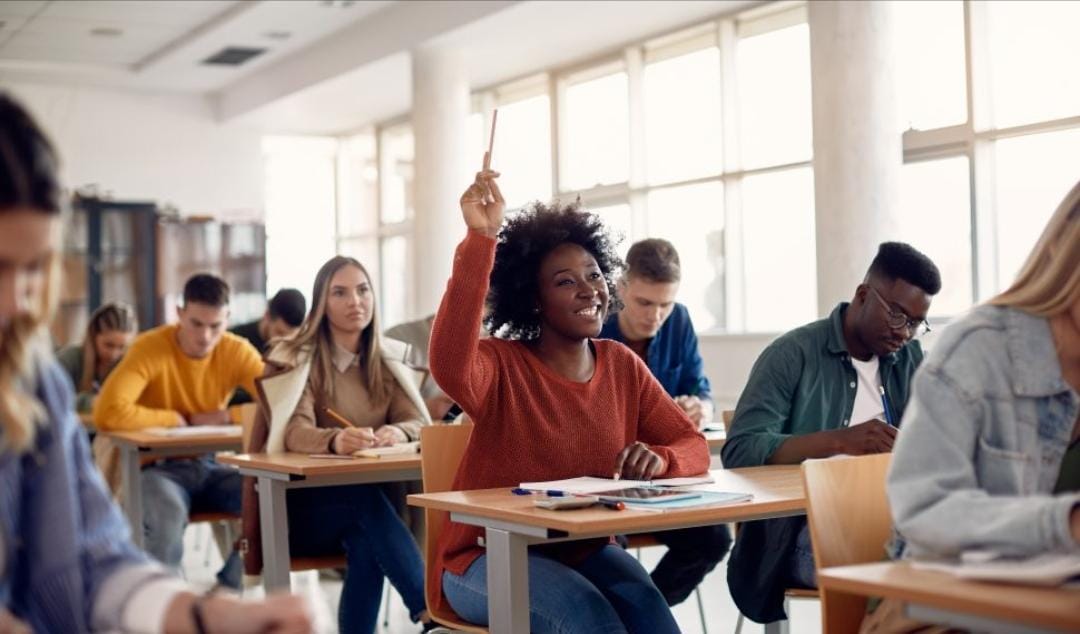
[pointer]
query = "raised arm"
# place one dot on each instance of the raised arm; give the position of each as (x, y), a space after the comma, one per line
(463, 368)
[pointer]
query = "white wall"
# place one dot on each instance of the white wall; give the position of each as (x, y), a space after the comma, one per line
(166, 148)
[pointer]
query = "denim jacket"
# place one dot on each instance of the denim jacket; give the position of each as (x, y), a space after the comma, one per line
(984, 435)
(68, 563)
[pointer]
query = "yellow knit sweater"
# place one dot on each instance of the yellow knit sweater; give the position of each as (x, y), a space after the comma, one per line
(155, 380)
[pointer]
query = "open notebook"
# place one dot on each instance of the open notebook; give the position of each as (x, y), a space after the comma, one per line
(1049, 569)
(392, 450)
(196, 430)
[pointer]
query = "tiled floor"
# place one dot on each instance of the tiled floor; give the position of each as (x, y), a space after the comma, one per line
(201, 560)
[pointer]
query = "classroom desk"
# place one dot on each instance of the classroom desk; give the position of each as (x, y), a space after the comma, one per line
(278, 473)
(938, 597)
(512, 524)
(716, 441)
(135, 446)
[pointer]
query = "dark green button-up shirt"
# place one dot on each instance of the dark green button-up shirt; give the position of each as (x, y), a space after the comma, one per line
(804, 382)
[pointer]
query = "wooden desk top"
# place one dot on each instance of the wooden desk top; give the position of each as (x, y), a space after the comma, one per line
(777, 491)
(715, 439)
(1052, 608)
(302, 464)
(150, 441)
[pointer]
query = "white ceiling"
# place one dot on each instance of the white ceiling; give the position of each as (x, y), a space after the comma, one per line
(344, 65)
(159, 45)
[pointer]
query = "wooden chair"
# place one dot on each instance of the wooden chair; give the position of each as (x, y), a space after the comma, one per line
(850, 523)
(727, 416)
(443, 446)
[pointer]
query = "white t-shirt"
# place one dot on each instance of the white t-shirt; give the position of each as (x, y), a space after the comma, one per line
(867, 395)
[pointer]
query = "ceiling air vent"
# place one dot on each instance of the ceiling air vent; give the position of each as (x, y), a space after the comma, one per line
(233, 56)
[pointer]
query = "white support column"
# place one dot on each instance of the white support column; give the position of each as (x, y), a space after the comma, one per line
(857, 146)
(440, 109)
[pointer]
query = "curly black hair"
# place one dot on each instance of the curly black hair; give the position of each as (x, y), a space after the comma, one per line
(524, 240)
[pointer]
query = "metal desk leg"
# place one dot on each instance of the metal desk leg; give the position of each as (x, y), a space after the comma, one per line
(274, 527)
(131, 491)
(507, 582)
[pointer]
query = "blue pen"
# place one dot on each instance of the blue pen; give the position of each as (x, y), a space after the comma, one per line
(518, 491)
(885, 405)
(555, 494)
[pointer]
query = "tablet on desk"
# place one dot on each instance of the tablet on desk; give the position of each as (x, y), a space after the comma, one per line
(646, 495)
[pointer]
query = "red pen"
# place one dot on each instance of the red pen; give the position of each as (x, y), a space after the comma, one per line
(615, 505)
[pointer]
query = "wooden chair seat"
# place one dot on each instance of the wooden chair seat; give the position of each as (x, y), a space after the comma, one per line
(299, 564)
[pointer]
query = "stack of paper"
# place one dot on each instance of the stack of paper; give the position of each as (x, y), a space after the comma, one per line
(589, 484)
(1049, 569)
(705, 498)
(196, 430)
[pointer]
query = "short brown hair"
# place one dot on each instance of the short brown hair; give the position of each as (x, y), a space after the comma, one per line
(204, 288)
(655, 260)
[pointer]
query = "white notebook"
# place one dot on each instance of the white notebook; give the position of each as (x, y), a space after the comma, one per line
(589, 484)
(196, 430)
(392, 450)
(1050, 569)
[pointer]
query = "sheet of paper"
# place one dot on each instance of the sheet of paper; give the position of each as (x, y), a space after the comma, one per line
(1050, 569)
(401, 448)
(196, 430)
(585, 484)
(681, 482)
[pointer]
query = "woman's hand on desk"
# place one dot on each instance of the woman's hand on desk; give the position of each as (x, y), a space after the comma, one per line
(389, 435)
(637, 462)
(353, 439)
(482, 203)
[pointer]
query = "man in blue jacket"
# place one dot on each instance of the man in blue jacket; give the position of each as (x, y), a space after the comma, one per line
(659, 330)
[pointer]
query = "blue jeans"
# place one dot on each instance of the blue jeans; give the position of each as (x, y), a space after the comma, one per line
(360, 520)
(802, 573)
(608, 592)
(171, 490)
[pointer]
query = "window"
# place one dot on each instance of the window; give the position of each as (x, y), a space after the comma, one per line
(300, 209)
(596, 142)
(1033, 49)
(523, 150)
(682, 117)
(1032, 175)
(774, 97)
(358, 186)
(619, 222)
(396, 173)
(930, 64)
(780, 256)
(392, 295)
(691, 217)
(935, 218)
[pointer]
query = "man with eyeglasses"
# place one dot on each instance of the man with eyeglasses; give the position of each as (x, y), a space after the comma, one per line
(835, 386)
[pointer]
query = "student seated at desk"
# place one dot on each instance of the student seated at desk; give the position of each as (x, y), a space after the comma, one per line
(175, 375)
(816, 392)
(658, 329)
(109, 333)
(335, 368)
(67, 563)
(990, 454)
(550, 401)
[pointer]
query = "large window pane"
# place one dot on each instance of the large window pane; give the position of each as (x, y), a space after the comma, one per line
(682, 117)
(358, 187)
(392, 295)
(930, 64)
(396, 172)
(935, 218)
(1032, 175)
(523, 150)
(299, 209)
(619, 222)
(779, 264)
(597, 141)
(692, 219)
(774, 97)
(1033, 52)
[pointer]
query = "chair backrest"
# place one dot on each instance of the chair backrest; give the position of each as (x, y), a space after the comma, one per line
(442, 449)
(247, 423)
(727, 415)
(848, 514)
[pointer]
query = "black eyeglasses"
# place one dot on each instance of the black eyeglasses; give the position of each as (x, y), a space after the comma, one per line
(897, 320)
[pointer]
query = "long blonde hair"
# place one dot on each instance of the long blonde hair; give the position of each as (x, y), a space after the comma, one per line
(314, 338)
(1049, 281)
(112, 317)
(27, 181)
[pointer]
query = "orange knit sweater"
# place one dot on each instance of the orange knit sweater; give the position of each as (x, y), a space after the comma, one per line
(533, 424)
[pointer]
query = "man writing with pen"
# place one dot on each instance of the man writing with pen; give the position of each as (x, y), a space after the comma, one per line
(835, 386)
(658, 329)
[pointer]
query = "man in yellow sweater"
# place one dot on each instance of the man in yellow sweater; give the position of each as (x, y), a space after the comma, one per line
(175, 375)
